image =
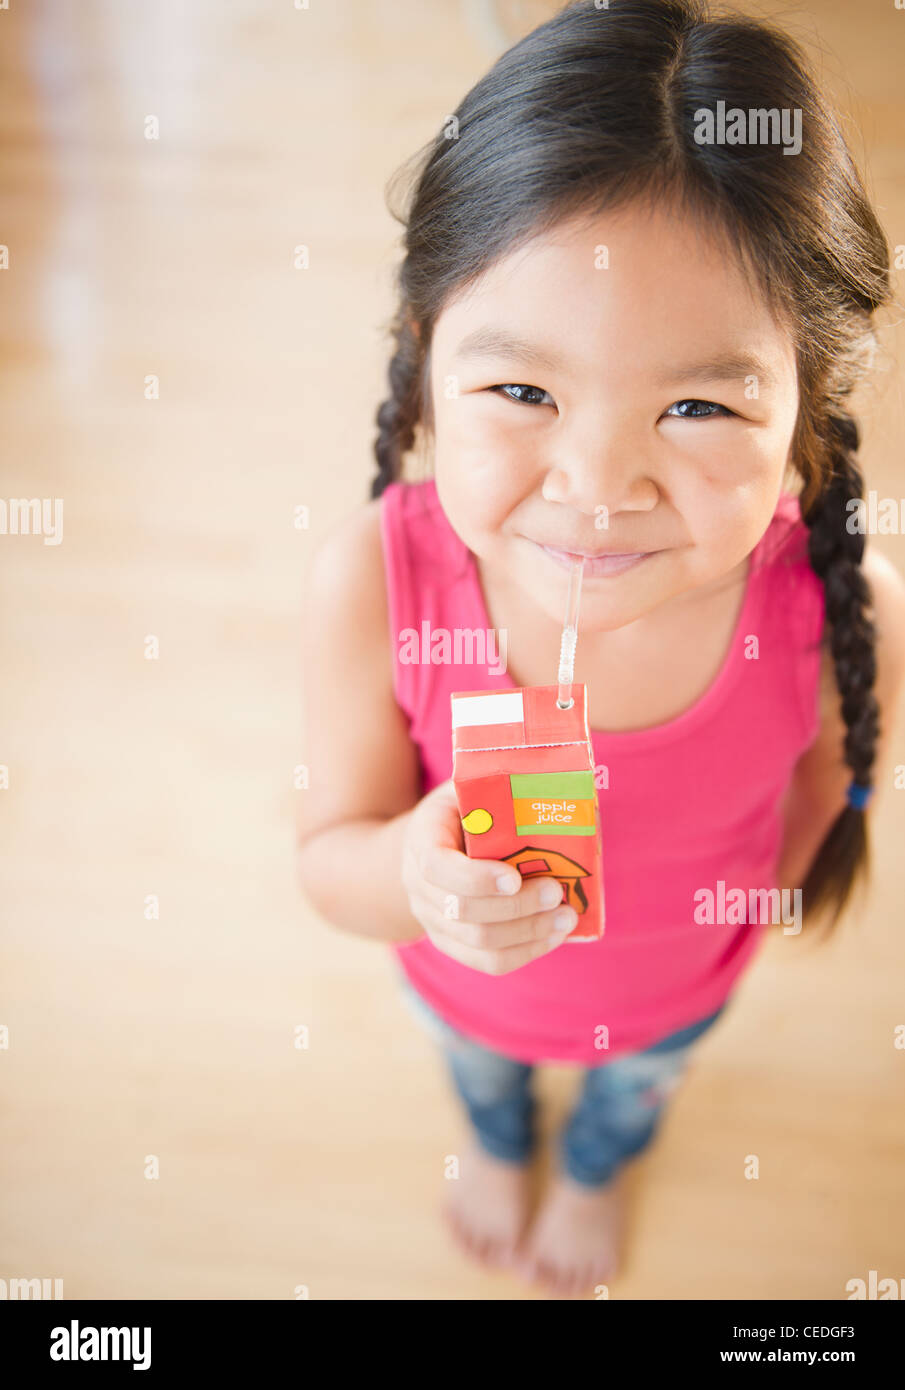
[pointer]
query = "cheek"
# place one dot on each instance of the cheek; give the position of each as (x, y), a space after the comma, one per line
(747, 506)
(483, 433)
(475, 490)
(727, 505)
(747, 460)
(733, 486)
(730, 524)
(481, 475)
(728, 469)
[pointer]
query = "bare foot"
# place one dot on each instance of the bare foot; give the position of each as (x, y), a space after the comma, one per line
(487, 1208)
(576, 1241)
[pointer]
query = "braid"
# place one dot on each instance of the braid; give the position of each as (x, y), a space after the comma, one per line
(835, 554)
(399, 414)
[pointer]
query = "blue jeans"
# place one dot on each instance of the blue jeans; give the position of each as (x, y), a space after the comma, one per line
(617, 1113)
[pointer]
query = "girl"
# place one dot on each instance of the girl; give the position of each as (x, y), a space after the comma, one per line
(610, 310)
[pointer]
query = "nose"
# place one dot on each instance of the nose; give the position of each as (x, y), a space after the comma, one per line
(590, 486)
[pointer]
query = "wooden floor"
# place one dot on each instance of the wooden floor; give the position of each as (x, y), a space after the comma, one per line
(136, 1031)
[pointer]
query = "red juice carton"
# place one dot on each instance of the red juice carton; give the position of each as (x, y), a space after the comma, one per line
(523, 771)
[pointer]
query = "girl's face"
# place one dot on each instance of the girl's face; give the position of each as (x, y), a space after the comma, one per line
(646, 410)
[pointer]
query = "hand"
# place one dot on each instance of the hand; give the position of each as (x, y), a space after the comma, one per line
(458, 903)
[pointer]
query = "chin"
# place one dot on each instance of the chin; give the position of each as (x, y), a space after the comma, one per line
(610, 618)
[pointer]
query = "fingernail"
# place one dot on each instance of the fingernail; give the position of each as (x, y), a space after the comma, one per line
(507, 884)
(565, 918)
(550, 892)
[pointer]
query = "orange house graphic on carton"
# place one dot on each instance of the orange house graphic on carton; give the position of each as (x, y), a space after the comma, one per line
(533, 861)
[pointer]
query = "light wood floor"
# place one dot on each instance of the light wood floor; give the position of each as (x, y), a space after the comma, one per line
(281, 1167)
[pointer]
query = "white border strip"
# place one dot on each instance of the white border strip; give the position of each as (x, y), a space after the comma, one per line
(468, 710)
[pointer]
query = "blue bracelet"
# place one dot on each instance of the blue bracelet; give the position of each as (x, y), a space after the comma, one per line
(858, 795)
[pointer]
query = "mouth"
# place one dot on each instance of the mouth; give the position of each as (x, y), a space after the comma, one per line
(595, 566)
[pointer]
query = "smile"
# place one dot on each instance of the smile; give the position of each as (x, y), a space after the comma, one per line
(597, 565)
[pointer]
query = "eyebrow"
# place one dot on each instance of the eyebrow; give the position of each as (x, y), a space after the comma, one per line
(726, 367)
(495, 342)
(730, 366)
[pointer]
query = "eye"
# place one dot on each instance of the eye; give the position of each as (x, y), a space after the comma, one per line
(524, 399)
(708, 411)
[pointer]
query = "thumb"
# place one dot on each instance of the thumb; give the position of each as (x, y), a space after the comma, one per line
(444, 807)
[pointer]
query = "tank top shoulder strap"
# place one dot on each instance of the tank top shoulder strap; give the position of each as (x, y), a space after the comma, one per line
(424, 562)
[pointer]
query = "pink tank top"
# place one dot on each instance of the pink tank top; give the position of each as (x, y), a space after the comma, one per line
(687, 804)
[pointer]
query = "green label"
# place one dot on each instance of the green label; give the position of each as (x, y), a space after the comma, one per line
(574, 785)
(539, 831)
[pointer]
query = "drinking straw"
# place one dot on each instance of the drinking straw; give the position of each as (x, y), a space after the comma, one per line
(569, 638)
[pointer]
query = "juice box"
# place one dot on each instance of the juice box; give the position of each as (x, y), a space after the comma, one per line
(523, 771)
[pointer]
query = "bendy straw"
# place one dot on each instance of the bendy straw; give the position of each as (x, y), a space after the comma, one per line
(569, 638)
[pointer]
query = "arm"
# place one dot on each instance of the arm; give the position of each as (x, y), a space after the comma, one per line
(816, 794)
(363, 767)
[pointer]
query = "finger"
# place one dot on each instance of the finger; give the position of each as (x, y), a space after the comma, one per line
(539, 893)
(494, 936)
(449, 868)
(451, 938)
(443, 861)
(526, 931)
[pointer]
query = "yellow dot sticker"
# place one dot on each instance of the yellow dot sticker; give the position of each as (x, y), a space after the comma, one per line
(478, 821)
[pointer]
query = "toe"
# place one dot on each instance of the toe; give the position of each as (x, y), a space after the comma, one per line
(452, 1223)
(506, 1252)
(548, 1274)
(481, 1247)
(525, 1261)
(460, 1233)
(494, 1250)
